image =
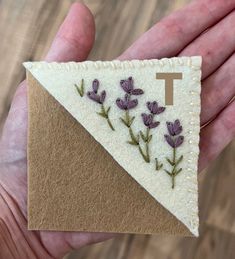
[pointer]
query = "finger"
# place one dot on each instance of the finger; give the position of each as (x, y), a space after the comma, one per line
(75, 37)
(217, 135)
(168, 37)
(72, 42)
(215, 45)
(58, 244)
(217, 90)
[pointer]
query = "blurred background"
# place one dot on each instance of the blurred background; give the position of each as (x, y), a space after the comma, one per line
(27, 28)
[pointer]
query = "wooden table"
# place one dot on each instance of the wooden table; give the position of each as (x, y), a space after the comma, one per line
(27, 28)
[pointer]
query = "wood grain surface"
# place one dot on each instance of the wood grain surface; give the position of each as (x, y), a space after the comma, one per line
(27, 28)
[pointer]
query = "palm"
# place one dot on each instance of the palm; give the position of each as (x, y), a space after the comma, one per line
(177, 35)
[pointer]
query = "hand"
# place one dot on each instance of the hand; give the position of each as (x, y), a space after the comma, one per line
(201, 28)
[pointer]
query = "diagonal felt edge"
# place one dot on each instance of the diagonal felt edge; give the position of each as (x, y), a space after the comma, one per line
(52, 207)
(41, 68)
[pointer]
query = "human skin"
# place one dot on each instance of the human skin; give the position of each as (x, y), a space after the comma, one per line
(201, 28)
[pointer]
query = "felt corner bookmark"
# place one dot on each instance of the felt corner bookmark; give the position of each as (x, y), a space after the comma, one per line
(144, 115)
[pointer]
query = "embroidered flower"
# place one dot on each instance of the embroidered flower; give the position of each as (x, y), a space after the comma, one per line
(175, 140)
(148, 121)
(95, 85)
(174, 129)
(94, 96)
(100, 99)
(128, 86)
(126, 104)
(154, 108)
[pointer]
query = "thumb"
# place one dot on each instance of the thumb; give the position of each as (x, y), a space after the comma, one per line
(73, 42)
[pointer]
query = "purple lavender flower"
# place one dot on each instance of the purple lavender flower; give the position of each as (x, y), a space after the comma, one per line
(95, 85)
(154, 108)
(174, 142)
(100, 98)
(94, 96)
(169, 140)
(128, 86)
(178, 141)
(126, 103)
(174, 128)
(174, 139)
(137, 91)
(148, 121)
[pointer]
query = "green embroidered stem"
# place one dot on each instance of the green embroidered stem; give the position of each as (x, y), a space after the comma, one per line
(174, 163)
(158, 165)
(146, 138)
(127, 120)
(135, 139)
(80, 89)
(145, 156)
(173, 170)
(105, 114)
(135, 142)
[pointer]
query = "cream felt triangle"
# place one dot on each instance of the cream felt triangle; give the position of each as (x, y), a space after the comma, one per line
(144, 149)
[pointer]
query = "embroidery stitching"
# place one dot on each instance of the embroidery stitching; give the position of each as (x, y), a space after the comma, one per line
(175, 140)
(100, 98)
(148, 120)
(127, 104)
(159, 165)
(80, 89)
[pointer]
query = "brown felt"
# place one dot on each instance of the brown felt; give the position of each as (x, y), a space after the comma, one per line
(75, 185)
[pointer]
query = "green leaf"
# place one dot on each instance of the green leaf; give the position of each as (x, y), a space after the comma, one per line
(143, 155)
(150, 138)
(108, 110)
(101, 114)
(167, 172)
(82, 87)
(132, 143)
(131, 121)
(133, 137)
(170, 162)
(178, 171)
(78, 90)
(124, 122)
(179, 160)
(158, 166)
(142, 136)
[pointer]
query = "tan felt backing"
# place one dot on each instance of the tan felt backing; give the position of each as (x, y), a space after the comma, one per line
(75, 185)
